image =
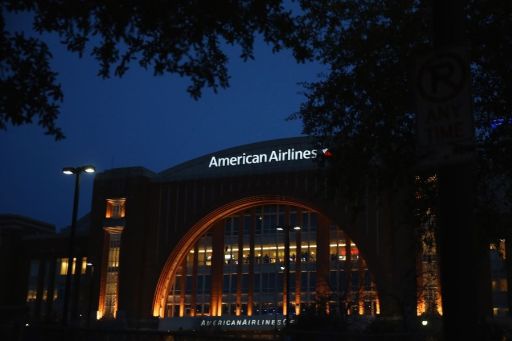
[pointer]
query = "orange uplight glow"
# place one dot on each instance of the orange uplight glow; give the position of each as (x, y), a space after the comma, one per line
(440, 305)
(115, 208)
(420, 307)
(188, 240)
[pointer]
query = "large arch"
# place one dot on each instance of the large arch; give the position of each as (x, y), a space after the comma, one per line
(193, 234)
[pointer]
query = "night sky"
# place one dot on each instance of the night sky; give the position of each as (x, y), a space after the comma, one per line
(142, 120)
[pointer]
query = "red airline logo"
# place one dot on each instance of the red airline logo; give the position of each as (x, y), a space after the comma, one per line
(327, 152)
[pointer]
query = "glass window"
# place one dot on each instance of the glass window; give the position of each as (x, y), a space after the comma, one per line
(115, 208)
(226, 283)
(200, 281)
(257, 279)
(245, 282)
(112, 274)
(207, 281)
(269, 249)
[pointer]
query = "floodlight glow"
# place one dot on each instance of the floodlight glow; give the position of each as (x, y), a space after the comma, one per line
(89, 169)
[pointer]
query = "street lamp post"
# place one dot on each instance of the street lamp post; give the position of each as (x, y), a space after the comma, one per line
(76, 171)
(91, 281)
(287, 229)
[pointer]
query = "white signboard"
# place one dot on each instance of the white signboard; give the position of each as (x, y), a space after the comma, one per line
(443, 103)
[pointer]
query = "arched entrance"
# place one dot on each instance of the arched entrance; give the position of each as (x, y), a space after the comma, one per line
(265, 255)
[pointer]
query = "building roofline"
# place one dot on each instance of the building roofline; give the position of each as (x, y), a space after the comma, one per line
(20, 221)
(198, 168)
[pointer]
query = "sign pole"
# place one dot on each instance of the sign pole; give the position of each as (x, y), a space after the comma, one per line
(447, 117)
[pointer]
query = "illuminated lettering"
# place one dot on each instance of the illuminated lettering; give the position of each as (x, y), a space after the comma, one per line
(274, 156)
(239, 323)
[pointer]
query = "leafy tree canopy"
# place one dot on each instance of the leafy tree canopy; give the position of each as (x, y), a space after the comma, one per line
(183, 37)
(364, 106)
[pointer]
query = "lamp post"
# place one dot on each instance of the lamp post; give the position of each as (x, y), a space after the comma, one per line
(287, 229)
(76, 171)
(91, 281)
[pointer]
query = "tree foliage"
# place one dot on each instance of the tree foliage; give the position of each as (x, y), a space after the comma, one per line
(28, 86)
(363, 105)
(183, 37)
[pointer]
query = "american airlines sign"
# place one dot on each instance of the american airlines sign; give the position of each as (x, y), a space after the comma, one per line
(264, 322)
(290, 154)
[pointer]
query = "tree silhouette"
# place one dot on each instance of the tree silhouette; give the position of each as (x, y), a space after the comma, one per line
(28, 87)
(188, 38)
(364, 107)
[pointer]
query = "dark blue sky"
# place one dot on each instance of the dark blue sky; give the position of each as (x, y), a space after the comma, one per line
(142, 120)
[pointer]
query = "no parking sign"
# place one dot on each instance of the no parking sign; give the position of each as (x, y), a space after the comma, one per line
(443, 107)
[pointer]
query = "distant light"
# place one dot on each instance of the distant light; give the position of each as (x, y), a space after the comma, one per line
(89, 169)
(27, 324)
(89, 264)
(497, 122)
(296, 228)
(279, 228)
(282, 267)
(424, 323)
(78, 170)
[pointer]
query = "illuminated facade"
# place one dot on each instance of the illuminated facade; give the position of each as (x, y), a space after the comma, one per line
(246, 234)
(34, 264)
(245, 254)
(429, 281)
(242, 238)
(243, 232)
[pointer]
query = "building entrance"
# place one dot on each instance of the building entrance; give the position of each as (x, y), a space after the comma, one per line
(271, 259)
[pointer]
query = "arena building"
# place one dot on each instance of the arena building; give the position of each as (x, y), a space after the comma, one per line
(248, 231)
(247, 237)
